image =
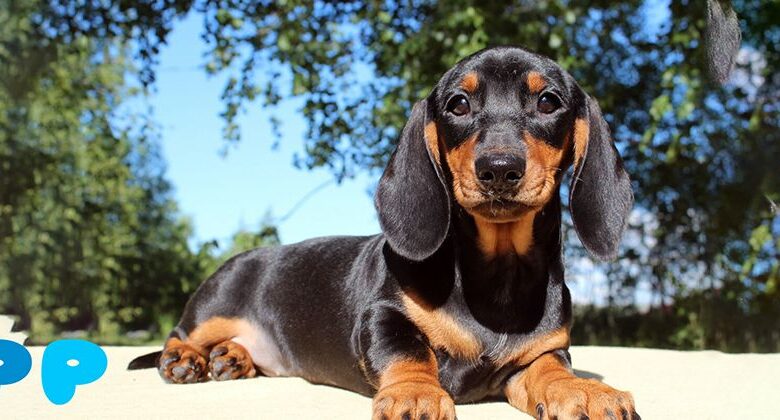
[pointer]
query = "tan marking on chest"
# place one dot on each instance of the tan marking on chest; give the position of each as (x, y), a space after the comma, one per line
(442, 329)
(535, 82)
(535, 347)
(505, 238)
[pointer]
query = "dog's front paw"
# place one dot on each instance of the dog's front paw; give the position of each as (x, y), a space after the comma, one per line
(230, 360)
(181, 364)
(413, 401)
(578, 398)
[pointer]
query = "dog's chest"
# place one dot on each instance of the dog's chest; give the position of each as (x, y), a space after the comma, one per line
(481, 368)
(460, 336)
(476, 360)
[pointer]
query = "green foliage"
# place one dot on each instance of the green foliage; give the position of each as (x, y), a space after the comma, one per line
(702, 319)
(87, 227)
(90, 238)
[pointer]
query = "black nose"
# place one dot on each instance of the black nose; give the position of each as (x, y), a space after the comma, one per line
(500, 171)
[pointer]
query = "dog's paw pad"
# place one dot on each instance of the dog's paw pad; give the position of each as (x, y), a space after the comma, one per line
(181, 364)
(230, 360)
(586, 399)
(414, 401)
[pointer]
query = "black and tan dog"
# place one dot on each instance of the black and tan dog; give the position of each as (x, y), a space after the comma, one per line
(462, 297)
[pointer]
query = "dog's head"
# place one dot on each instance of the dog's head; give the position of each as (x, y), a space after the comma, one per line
(494, 137)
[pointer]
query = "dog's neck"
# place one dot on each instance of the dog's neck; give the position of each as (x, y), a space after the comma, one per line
(506, 267)
(534, 232)
(495, 240)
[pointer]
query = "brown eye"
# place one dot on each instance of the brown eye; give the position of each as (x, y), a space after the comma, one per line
(459, 105)
(548, 103)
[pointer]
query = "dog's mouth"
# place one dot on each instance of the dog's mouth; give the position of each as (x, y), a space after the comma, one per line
(500, 208)
(505, 204)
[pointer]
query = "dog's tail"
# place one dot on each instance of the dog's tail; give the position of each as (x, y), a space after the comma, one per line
(146, 361)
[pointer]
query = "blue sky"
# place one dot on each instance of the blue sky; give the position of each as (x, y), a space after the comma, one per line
(224, 193)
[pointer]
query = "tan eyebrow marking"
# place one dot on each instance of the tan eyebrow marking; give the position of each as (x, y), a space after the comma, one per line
(535, 82)
(470, 82)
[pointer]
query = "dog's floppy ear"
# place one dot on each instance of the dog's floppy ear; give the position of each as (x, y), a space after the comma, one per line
(412, 200)
(600, 197)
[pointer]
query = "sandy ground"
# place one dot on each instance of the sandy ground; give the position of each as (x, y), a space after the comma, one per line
(665, 385)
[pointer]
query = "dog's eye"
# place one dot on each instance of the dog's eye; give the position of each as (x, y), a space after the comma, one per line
(459, 105)
(548, 103)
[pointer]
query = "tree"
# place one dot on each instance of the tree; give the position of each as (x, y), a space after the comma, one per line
(89, 235)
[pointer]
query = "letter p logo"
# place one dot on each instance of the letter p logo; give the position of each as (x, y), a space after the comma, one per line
(15, 362)
(60, 375)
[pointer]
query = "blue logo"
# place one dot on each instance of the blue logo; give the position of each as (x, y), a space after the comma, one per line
(66, 364)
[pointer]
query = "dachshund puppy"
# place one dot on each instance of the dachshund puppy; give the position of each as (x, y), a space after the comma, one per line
(461, 298)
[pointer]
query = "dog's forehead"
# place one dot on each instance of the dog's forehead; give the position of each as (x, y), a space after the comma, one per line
(505, 65)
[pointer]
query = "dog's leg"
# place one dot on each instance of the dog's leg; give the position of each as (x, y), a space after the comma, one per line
(548, 389)
(185, 358)
(403, 368)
